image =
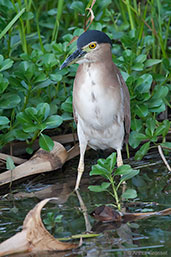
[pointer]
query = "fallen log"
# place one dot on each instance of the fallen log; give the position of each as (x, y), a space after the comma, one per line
(41, 161)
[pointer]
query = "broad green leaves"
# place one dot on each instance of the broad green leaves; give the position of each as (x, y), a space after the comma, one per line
(67, 105)
(9, 100)
(32, 50)
(126, 172)
(151, 62)
(3, 83)
(150, 132)
(4, 120)
(46, 142)
(5, 64)
(129, 194)
(103, 187)
(31, 96)
(106, 169)
(34, 120)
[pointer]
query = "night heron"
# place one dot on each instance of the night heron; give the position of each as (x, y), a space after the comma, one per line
(101, 102)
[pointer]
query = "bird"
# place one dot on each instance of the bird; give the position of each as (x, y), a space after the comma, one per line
(101, 100)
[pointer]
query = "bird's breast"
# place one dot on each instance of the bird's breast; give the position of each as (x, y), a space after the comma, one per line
(96, 99)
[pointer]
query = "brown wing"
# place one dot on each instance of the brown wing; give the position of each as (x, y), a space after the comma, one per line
(127, 113)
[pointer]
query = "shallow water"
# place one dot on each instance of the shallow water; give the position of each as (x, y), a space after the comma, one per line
(147, 237)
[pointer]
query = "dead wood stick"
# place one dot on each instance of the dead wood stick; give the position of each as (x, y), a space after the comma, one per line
(42, 161)
(73, 151)
(163, 158)
(16, 160)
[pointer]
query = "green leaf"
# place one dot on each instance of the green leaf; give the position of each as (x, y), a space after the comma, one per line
(4, 120)
(130, 175)
(136, 124)
(21, 135)
(158, 108)
(43, 111)
(141, 58)
(166, 145)
(104, 167)
(99, 170)
(100, 188)
(138, 67)
(29, 150)
(144, 83)
(10, 163)
(40, 77)
(9, 100)
(135, 138)
(53, 121)
(26, 69)
(46, 142)
(6, 64)
(151, 124)
(49, 60)
(67, 105)
(66, 116)
(78, 6)
(123, 170)
(109, 163)
(151, 62)
(56, 77)
(160, 130)
(23, 118)
(3, 83)
(112, 161)
(142, 151)
(28, 16)
(141, 110)
(31, 114)
(167, 126)
(129, 194)
(30, 128)
(160, 92)
(166, 64)
(155, 102)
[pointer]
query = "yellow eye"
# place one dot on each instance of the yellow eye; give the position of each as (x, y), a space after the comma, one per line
(92, 45)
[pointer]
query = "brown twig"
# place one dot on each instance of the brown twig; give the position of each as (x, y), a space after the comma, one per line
(163, 157)
(89, 21)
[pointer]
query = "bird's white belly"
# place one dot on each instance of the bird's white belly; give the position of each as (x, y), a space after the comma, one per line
(109, 137)
(99, 116)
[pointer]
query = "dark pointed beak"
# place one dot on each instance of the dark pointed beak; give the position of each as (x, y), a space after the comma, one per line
(73, 58)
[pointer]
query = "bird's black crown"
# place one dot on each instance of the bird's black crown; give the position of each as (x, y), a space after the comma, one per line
(92, 35)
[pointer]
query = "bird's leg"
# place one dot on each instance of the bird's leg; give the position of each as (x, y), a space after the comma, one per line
(120, 163)
(119, 158)
(81, 164)
(84, 211)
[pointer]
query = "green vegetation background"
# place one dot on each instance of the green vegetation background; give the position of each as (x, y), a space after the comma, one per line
(36, 96)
